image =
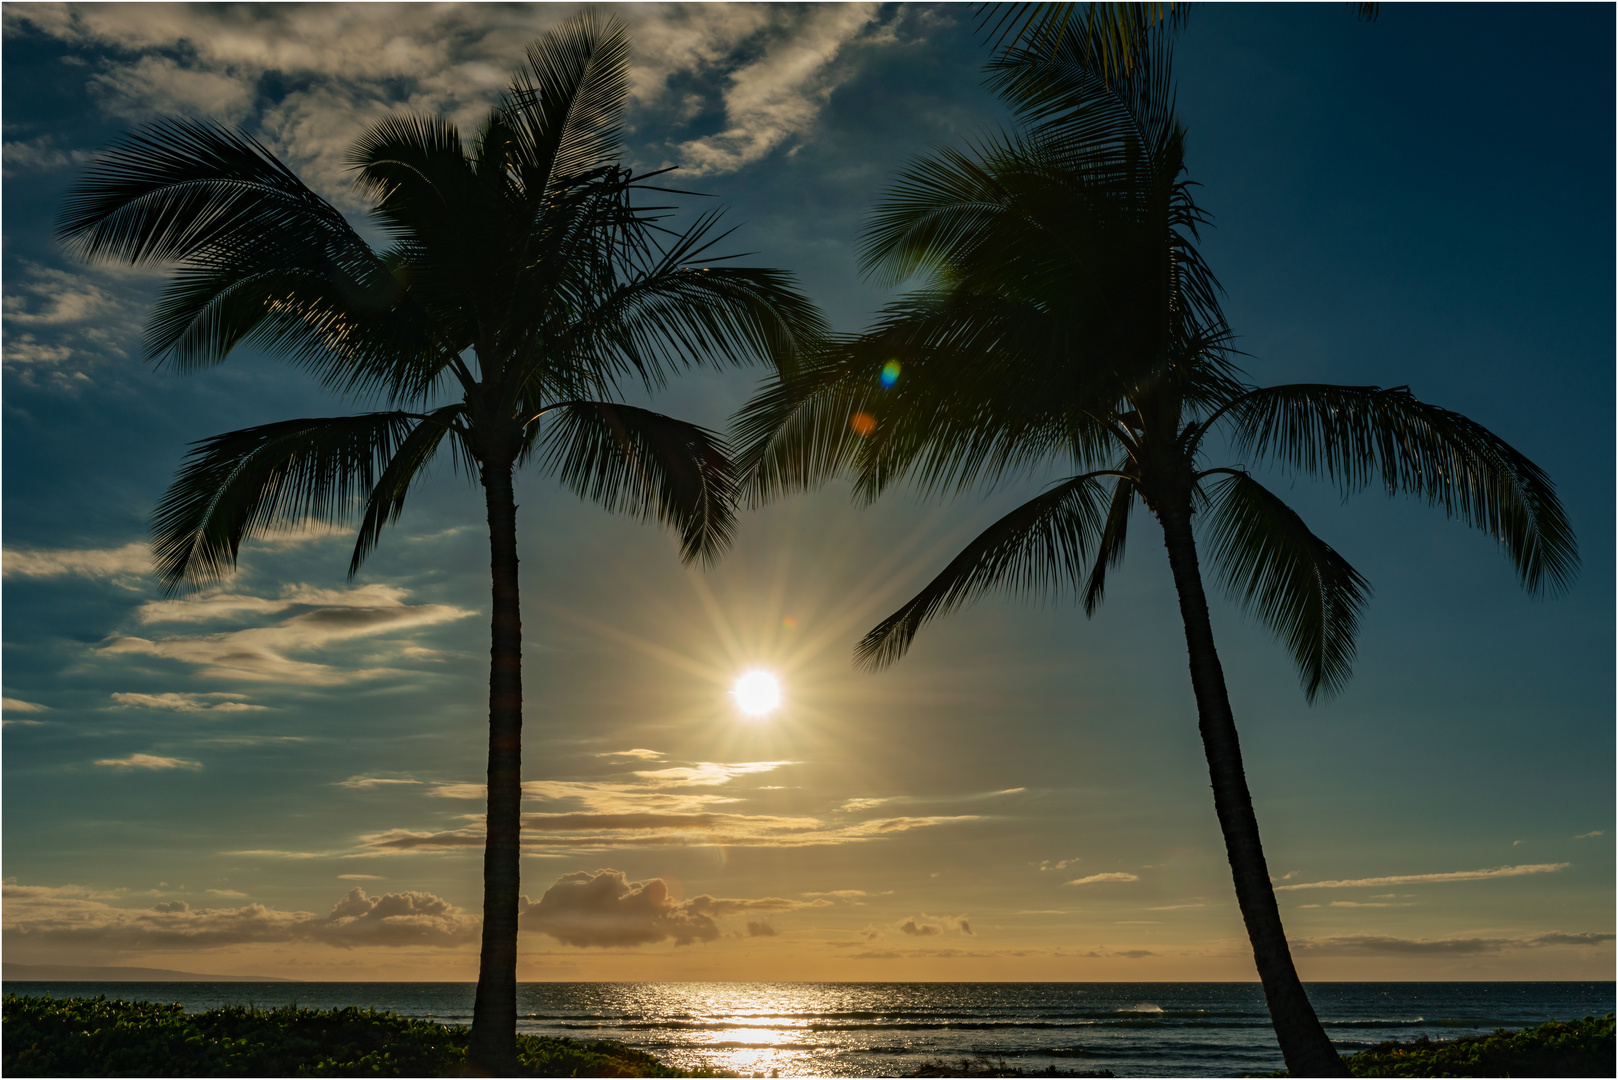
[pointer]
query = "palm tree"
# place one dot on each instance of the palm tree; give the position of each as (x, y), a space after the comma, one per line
(1068, 321)
(522, 288)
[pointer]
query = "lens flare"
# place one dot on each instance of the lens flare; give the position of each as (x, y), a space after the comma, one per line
(862, 423)
(890, 373)
(757, 693)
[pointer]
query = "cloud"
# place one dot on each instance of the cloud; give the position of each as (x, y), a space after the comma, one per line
(760, 929)
(74, 916)
(1380, 945)
(50, 297)
(1427, 879)
(229, 893)
(605, 909)
(641, 755)
(365, 783)
(577, 833)
(219, 604)
(1373, 903)
(263, 653)
(127, 561)
(851, 895)
(312, 76)
(708, 773)
(964, 925)
(176, 702)
(360, 877)
(149, 761)
(1046, 864)
(780, 94)
(39, 155)
(12, 704)
(1588, 835)
(915, 929)
(1094, 878)
(862, 804)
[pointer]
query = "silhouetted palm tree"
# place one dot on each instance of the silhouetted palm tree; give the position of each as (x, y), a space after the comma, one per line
(522, 288)
(1069, 320)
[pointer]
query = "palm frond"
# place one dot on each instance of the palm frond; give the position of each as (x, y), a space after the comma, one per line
(639, 462)
(405, 468)
(240, 484)
(566, 108)
(1357, 435)
(1040, 547)
(1116, 31)
(178, 188)
(1288, 578)
(1110, 550)
(794, 434)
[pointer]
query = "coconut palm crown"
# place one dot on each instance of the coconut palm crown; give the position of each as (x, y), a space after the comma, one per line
(522, 288)
(1067, 320)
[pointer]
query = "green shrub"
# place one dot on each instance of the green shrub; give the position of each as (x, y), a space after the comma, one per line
(46, 1036)
(1558, 1048)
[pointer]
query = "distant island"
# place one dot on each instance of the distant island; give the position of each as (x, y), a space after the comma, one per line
(68, 973)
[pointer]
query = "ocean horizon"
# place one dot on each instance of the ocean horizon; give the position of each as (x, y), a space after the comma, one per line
(889, 1029)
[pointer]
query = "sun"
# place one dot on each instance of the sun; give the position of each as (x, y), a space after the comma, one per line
(757, 693)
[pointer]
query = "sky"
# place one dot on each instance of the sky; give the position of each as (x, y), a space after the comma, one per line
(281, 775)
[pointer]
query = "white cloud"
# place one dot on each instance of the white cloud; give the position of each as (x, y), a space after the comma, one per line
(177, 702)
(121, 562)
(149, 761)
(38, 155)
(1426, 879)
(264, 653)
(48, 297)
(365, 783)
(12, 704)
(639, 755)
(73, 916)
(708, 773)
(1588, 835)
(780, 94)
(1060, 864)
(1096, 878)
(218, 604)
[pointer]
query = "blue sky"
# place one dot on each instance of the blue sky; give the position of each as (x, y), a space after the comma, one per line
(281, 775)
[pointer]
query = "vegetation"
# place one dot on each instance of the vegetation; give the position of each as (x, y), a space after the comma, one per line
(1069, 322)
(523, 287)
(46, 1036)
(1558, 1048)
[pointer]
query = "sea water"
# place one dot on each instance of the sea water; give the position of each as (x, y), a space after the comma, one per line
(889, 1029)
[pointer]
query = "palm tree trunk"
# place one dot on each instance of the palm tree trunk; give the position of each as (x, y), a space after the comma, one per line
(493, 1051)
(1304, 1044)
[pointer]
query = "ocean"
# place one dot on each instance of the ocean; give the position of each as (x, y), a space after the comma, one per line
(889, 1029)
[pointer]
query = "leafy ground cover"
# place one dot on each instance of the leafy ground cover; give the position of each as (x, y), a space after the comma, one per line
(1558, 1048)
(48, 1036)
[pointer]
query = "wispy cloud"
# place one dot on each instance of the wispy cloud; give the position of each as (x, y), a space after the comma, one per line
(708, 773)
(365, 783)
(1427, 879)
(12, 704)
(265, 653)
(130, 560)
(1589, 835)
(1097, 878)
(178, 702)
(637, 755)
(68, 916)
(780, 94)
(148, 761)
(1380, 945)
